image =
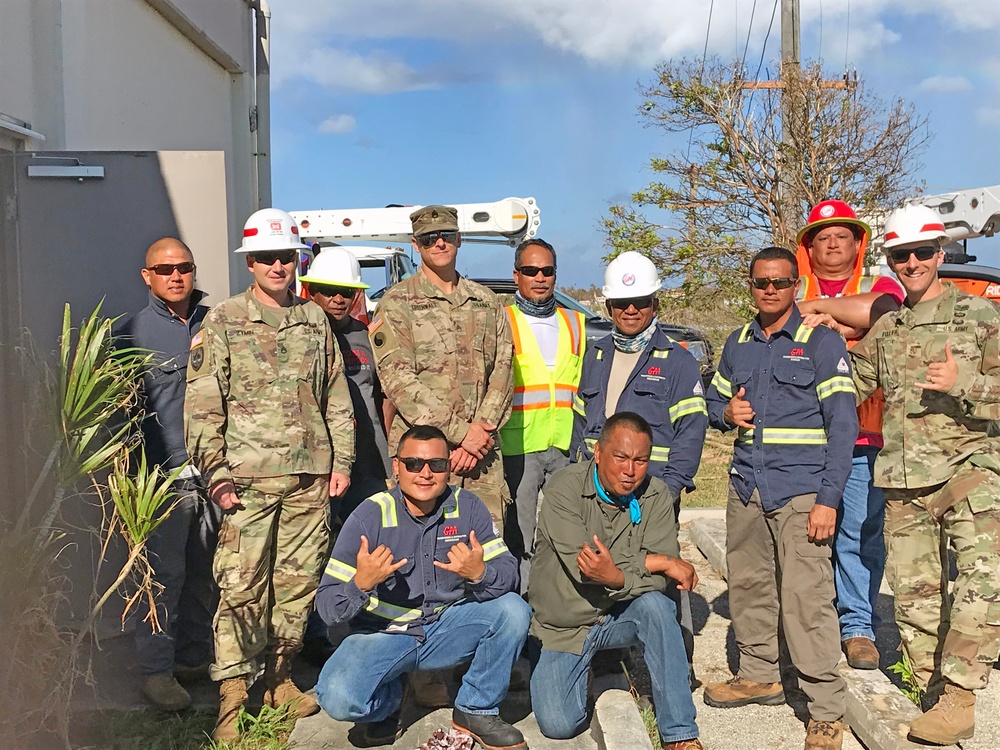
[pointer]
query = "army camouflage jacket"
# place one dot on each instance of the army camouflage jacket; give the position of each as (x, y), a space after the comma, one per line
(264, 401)
(928, 434)
(443, 359)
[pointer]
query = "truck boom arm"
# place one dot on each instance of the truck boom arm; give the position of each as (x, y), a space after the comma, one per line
(966, 213)
(508, 221)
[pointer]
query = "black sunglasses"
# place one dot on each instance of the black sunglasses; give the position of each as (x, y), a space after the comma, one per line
(328, 290)
(426, 240)
(640, 303)
(923, 253)
(286, 258)
(782, 282)
(167, 269)
(532, 271)
(415, 465)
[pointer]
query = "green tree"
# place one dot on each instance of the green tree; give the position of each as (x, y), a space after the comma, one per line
(714, 204)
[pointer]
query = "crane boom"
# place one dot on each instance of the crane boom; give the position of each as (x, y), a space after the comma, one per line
(966, 213)
(507, 221)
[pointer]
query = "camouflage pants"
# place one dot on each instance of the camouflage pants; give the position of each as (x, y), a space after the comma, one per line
(957, 636)
(268, 565)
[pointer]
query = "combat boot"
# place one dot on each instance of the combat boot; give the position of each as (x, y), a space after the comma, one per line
(281, 690)
(824, 735)
(953, 718)
(739, 692)
(232, 697)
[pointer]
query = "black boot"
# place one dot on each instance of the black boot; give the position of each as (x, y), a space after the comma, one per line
(490, 731)
(384, 732)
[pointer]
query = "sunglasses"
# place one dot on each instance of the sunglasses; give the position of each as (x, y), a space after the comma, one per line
(415, 465)
(267, 259)
(167, 269)
(923, 253)
(640, 303)
(426, 240)
(532, 271)
(782, 282)
(328, 290)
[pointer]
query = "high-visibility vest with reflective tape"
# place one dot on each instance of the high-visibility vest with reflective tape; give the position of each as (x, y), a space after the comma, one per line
(542, 411)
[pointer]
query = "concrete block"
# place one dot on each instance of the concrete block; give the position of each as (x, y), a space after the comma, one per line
(710, 536)
(617, 724)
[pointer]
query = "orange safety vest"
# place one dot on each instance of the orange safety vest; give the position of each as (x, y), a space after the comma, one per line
(870, 410)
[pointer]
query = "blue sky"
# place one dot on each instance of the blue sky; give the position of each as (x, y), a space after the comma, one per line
(425, 101)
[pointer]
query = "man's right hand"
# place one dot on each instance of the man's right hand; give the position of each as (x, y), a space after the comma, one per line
(479, 439)
(739, 413)
(224, 495)
(374, 567)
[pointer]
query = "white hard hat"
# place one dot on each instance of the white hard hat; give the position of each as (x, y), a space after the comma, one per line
(336, 266)
(270, 230)
(913, 224)
(630, 275)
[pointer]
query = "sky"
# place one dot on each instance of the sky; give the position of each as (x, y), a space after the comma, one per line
(377, 102)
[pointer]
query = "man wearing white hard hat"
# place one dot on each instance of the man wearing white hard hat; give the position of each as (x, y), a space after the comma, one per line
(269, 424)
(937, 359)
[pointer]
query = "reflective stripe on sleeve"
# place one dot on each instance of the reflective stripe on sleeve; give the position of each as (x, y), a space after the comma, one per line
(578, 406)
(836, 384)
(493, 548)
(659, 453)
(723, 386)
(693, 405)
(340, 570)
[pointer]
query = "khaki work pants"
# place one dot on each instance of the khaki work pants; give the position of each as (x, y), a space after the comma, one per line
(956, 636)
(268, 564)
(761, 546)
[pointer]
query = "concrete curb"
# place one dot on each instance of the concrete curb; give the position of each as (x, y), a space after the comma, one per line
(878, 714)
(617, 724)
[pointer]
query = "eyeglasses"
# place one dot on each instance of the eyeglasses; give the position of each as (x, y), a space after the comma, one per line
(782, 282)
(167, 269)
(415, 465)
(328, 290)
(640, 303)
(426, 240)
(267, 259)
(923, 253)
(532, 271)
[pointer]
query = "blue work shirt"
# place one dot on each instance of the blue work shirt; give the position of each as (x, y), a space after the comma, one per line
(799, 384)
(417, 593)
(665, 388)
(156, 328)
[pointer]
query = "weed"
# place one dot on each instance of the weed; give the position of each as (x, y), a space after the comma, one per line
(649, 721)
(268, 730)
(910, 688)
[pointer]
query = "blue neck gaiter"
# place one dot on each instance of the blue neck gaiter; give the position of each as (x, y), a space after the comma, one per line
(634, 509)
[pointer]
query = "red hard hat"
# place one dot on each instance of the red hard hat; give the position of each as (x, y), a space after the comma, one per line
(832, 212)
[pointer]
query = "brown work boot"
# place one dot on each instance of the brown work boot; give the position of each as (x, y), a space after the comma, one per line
(281, 690)
(953, 718)
(164, 692)
(683, 745)
(739, 692)
(233, 696)
(861, 653)
(430, 689)
(824, 735)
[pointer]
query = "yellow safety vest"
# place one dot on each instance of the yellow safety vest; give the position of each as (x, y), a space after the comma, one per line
(542, 411)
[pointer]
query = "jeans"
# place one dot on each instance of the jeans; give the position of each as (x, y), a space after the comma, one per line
(180, 551)
(559, 679)
(362, 682)
(526, 475)
(859, 548)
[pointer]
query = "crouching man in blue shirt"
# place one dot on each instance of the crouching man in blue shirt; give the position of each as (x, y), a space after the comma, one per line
(426, 582)
(788, 390)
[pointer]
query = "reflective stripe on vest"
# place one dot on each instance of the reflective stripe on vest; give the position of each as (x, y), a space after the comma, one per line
(544, 400)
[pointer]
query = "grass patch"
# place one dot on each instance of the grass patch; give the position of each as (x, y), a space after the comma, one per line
(649, 721)
(712, 479)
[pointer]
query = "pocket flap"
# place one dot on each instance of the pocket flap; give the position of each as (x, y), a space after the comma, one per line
(798, 373)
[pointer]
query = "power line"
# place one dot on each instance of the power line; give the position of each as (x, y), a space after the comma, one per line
(704, 56)
(753, 11)
(820, 55)
(763, 51)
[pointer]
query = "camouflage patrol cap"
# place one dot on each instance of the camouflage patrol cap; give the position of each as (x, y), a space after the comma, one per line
(434, 219)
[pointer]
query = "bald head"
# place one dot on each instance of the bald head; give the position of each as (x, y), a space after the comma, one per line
(166, 243)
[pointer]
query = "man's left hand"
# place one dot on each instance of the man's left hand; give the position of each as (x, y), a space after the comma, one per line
(941, 376)
(462, 462)
(821, 524)
(598, 566)
(339, 484)
(466, 560)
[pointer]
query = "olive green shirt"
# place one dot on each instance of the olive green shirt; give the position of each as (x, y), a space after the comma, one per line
(566, 605)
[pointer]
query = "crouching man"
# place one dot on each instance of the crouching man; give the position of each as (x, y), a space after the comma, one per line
(426, 582)
(605, 551)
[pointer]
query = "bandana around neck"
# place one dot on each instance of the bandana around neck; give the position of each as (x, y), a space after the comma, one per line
(633, 344)
(535, 309)
(634, 509)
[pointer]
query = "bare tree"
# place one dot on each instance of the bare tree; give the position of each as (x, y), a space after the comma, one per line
(726, 200)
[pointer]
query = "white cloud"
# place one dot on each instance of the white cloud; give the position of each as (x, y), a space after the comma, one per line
(988, 116)
(341, 70)
(337, 125)
(944, 84)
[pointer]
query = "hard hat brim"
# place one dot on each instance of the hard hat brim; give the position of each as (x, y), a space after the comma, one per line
(832, 220)
(332, 282)
(241, 251)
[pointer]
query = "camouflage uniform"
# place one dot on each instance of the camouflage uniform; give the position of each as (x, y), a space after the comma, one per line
(268, 408)
(445, 360)
(941, 473)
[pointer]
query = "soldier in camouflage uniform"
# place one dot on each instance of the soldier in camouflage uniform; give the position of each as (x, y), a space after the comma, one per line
(937, 360)
(443, 353)
(268, 422)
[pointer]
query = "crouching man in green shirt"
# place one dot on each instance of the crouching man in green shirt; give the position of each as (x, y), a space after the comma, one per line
(605, 552)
